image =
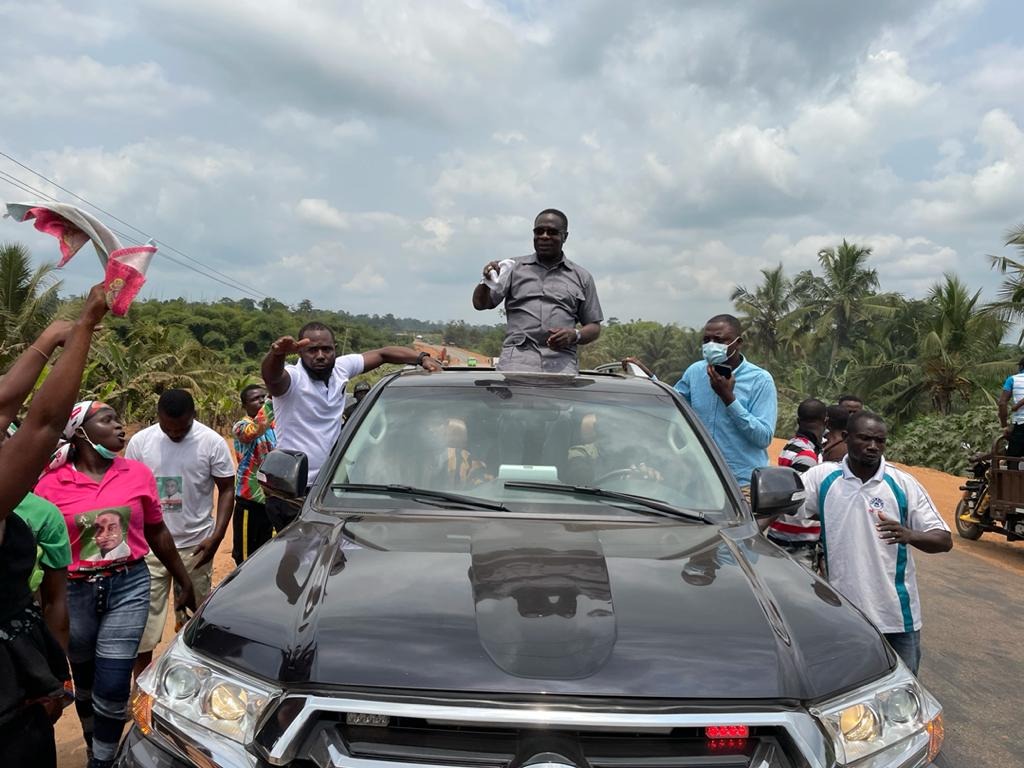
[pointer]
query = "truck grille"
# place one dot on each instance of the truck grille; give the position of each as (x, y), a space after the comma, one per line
(317, 731)
(417, 741)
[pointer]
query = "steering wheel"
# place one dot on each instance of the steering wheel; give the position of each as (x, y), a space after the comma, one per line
(616, 473)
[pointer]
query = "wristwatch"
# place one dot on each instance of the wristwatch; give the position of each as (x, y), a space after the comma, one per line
(578, 335)
(419, 358)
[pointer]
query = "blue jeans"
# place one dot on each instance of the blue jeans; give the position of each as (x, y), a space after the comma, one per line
(907, 646)
(108, 614)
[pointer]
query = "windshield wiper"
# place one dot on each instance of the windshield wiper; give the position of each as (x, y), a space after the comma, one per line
(586, 490)
(426, 493)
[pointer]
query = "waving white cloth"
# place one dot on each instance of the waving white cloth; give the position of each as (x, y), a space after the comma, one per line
(497, 280)
(124, 268)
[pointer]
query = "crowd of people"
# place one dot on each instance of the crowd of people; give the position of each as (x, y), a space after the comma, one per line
(94, 546)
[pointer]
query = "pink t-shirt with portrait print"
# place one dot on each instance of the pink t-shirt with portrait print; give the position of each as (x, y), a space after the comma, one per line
(105, 520)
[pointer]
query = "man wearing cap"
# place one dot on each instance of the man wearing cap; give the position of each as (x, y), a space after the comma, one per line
(358, 393)
(551, 304)
(309, 396)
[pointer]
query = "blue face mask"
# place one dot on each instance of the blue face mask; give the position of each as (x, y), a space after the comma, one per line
(102, 450)
(715, 353)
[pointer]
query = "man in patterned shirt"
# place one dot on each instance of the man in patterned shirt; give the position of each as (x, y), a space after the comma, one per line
(254, 439)
(799, 535)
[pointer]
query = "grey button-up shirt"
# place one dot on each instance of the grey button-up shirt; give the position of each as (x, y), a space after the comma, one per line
(538, 299)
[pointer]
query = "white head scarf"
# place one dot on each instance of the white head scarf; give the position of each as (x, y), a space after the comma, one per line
(80, 413)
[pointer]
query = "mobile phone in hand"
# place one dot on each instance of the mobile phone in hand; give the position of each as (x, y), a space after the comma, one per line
(723, 370)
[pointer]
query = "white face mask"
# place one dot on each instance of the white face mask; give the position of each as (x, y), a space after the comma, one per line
(715, 352)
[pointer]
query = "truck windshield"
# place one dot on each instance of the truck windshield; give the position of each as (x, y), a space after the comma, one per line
(484, 441)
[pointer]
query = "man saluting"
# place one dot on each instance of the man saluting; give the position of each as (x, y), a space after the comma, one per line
(551, 304)
(309, 396)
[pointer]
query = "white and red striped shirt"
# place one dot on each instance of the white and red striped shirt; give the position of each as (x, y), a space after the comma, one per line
(801, 453)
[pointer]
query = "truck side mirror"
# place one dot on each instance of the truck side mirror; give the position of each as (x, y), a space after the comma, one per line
(776, 491)
(284, 473)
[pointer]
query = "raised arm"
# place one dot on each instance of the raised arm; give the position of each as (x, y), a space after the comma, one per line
(275, 377)
(27, 452)
(483, 296)
(22, 376)
(399, 356)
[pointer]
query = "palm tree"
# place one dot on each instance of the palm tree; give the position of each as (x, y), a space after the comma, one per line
(844, 296)
(1009, 304)
(131, 372)
(957, 353)
(766, 308)
(28, 299)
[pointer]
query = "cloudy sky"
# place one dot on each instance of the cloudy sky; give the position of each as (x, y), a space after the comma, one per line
(373, 156)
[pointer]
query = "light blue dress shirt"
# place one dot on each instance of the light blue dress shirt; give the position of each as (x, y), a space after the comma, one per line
(744, 430)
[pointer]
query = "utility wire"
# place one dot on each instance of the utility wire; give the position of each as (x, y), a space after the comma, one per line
(132, 240)
(144, 234)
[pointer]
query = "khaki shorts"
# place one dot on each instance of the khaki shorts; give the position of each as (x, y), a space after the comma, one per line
(160, 592)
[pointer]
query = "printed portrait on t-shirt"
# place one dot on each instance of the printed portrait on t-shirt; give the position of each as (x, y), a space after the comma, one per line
(169, 491)
(103, 535)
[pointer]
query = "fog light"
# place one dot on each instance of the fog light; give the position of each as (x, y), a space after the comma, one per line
(727, 732)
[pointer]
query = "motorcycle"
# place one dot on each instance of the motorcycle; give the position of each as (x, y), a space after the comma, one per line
(993, 495)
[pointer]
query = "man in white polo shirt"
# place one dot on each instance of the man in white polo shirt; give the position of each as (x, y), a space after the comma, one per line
(871, 513)
(309, 396)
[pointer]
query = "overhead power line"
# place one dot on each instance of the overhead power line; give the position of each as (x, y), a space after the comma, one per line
(233, 282)
(131, 240)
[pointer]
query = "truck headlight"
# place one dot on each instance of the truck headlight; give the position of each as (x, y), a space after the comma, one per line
(880, 716)
(183, 689)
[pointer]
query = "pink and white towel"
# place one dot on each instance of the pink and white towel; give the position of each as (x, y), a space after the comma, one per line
(124, 268)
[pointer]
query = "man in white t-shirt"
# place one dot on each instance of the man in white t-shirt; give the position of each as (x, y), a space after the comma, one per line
(871, 513)
(309, 396)
(189, 459)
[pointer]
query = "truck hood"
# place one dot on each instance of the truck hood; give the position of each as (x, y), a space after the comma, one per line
(635, 608)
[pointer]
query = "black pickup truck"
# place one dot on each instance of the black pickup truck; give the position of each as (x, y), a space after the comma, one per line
(522, 570)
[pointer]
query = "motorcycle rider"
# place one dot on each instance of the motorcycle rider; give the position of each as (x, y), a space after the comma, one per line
(1013, 390)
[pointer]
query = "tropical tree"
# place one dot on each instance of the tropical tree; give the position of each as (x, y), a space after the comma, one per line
(665, 349)
(130, 372)
(841, 297)
(28, 299)
(1009, 303)
(958, 355)
(765, 309)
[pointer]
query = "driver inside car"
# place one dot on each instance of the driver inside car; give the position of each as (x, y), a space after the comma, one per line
(457, 468)
(593, 459)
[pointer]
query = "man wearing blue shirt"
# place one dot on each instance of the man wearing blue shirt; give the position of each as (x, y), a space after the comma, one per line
(1011, 401)
(734, 398)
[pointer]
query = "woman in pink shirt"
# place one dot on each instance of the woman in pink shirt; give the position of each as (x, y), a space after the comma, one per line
(32, 664)
(112, 513)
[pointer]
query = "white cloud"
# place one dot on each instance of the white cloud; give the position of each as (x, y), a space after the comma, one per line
(53, 20)
(992, 191)
(321, 213)
(439, 233)
(508, 137)
(367, 280)
(372, 156)
(83, 88)
(301, 126)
